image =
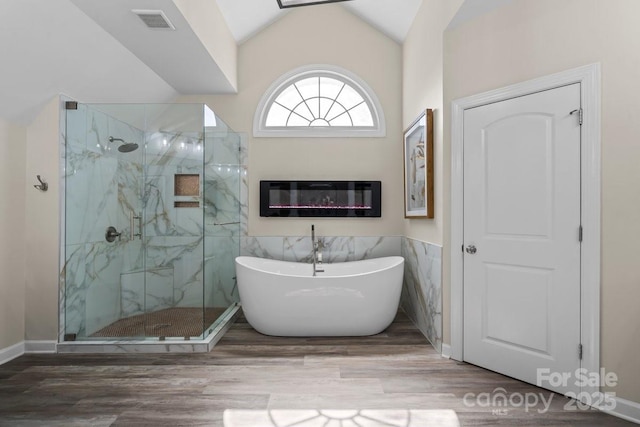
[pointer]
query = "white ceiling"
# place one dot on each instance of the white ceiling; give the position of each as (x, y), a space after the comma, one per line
(165, 51)
(97, 51)
(49, 47)
(392, 17)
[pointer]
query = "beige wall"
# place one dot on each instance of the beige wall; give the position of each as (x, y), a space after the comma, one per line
(42, 232)
(421, 89)
(533, 38)
(320, 35)
(206, 20)
(12, 229)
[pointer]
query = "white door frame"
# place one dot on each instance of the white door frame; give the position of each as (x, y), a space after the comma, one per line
(589, 77)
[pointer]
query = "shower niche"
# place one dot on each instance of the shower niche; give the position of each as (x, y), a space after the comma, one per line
(320, 199)
(145, 171)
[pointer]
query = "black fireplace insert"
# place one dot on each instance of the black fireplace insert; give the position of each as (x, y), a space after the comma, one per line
(320, 199)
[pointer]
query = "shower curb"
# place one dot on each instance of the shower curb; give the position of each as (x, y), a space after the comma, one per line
(141, 346)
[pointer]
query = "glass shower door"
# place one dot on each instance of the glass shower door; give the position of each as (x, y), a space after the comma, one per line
(173, 221)
(103, 182)
(223, 176)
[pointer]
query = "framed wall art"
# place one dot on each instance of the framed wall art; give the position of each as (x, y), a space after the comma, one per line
(418, 167)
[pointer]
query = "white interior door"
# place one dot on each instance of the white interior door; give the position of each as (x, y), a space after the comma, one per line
(522, 218)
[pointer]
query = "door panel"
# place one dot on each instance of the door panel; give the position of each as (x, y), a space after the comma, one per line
(522, 213)
(528, 288)
(518, 159)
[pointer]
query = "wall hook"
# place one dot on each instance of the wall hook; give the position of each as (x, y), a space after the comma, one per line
(43, 186)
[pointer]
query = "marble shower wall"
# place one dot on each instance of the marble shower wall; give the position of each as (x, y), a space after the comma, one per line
(422, 291)
(225, 214)
(103, 282)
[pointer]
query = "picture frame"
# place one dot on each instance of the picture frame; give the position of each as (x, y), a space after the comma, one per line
(418, 167)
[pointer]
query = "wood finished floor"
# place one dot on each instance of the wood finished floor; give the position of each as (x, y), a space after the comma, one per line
(397, 369)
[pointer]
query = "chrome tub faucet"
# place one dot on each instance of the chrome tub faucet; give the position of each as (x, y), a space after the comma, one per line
(317, 245)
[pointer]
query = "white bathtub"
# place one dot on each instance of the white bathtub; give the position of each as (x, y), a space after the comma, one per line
(349, 299)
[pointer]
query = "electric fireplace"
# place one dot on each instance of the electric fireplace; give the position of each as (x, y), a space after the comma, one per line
(320, 199)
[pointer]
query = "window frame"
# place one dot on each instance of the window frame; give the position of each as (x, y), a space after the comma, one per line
(260, 130)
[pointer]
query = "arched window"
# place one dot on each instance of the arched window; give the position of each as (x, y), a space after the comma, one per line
(319, 101)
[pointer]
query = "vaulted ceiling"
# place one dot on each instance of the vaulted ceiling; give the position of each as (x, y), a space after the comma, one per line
(98, 51)
(392, 17)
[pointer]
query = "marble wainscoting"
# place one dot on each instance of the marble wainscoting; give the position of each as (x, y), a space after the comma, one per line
(422, 291)
(336, 248)
(422, 288)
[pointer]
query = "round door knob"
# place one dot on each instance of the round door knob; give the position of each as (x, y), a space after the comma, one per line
(471, 249)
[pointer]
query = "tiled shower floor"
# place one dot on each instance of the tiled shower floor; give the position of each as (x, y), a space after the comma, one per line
(170, 322)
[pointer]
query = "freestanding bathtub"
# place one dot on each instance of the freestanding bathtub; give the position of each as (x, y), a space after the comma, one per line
(355, 298)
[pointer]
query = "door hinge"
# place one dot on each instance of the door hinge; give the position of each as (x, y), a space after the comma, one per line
(580, 234)
(580, 351)
(580, 113)
(462, 248)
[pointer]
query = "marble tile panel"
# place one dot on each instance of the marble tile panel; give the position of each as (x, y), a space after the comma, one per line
(132, 293)
(377, 247)
(92, 271)
(222, 147)
(262, 247)
(158, 289)
(220, 274)
(244, 201)
(144, 291)
(298, 249)
(74, 274)
(133, 256)
(336, 249)
(97, 139)
(186, 257)
(422, 289)
(91, 203)
(222, 200)
(102, 305)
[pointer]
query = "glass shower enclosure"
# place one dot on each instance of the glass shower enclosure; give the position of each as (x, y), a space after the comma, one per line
(151, 222)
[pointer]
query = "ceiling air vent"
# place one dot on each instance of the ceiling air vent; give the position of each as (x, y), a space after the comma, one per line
(154, 19)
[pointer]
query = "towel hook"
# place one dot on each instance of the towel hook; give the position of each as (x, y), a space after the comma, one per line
(43, 186)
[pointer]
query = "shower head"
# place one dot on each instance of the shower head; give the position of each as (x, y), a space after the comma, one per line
(126, 147)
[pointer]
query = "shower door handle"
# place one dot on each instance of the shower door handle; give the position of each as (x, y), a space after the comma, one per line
(132, 218)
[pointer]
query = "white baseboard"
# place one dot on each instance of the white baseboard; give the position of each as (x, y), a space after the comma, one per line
(40, 346)
(10, 353)
(446, 351)
(625, 409)
(26, 347)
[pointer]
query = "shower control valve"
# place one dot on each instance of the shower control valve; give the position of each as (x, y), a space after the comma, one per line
(111, 234)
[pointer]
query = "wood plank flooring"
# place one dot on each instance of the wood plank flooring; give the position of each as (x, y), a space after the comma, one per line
(396, 375)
